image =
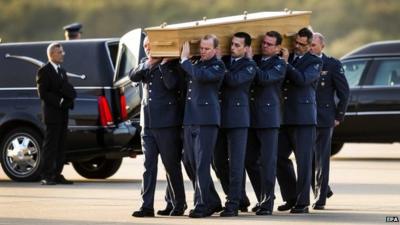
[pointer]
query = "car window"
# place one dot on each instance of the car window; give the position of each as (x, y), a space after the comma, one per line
(353, 71)
(388, 73)
(127, 62)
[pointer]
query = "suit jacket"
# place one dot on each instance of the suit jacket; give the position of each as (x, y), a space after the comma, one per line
(160, 106)
(52, 87)
(331, 83)
(235, 110)
(265, 93)
(204, 79)
(299, 87)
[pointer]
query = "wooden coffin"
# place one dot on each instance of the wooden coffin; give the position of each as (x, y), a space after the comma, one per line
(166, 40)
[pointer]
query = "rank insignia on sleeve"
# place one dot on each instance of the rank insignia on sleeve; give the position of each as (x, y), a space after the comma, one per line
(316, 66)
(250, 69)
(278, 67)
(216, 67)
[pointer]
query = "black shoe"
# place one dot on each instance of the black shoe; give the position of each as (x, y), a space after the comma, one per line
(329, 194)
(255, 208)
(177, 212)
(61, 180)
(47, 182)
(196, 214)
(165, 212)
(299, 209)
(263, 212)
(318, 207)
(243, 209)
(228, 213)
(288, 205)
(215, 209)
(143, 213)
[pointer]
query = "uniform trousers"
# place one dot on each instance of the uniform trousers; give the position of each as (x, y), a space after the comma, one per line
(299, 139)
(199, 142)
(166, 142)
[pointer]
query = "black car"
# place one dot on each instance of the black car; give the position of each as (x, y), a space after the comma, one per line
(102, 127)
(373, 115)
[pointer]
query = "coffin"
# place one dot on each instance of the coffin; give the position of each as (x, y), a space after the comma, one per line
(166, 40)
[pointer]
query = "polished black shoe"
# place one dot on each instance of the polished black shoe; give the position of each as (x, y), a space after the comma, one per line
(329, 194)
(243, 209)
(143, 213)
(263, 212)
(288, 205)
(177, 212)
(61, 180)
(318, 207)
(299, 209)
(228, 213)
(255, 208)
(196, 214)
(47, 182)
(215, 209)
(165, 212)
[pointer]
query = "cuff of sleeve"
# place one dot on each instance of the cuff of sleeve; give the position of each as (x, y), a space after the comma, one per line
(183, 60)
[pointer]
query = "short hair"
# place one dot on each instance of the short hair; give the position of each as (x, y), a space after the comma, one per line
(246, 36)
(275, 35)
(320, 37)
(213, 37)
(51, 47)
(305, 32)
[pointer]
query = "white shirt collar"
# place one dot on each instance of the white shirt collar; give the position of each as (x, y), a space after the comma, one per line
(56, 66)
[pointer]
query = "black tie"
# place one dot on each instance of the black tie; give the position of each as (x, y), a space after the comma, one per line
(59, 72)
(233, 61)
(295, 60)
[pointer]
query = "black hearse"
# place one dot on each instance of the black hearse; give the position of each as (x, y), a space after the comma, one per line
(373, 115)
(102, 127)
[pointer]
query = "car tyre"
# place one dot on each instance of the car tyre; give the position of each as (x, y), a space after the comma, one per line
(336, 147)
(20, 151)
(97, 168)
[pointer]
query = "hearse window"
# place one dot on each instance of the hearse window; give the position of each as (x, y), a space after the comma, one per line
(113, 48)
(126, 63)
(388, 73)
(353, 71)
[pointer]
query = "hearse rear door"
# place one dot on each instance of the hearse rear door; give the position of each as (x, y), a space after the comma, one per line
(129, 54)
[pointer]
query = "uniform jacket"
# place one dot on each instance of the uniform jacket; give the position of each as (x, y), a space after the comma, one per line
(160, 106)
(235, 111)
(52, 87)
(299, 90)
(331, 83)
(204, 79)
(265, 93)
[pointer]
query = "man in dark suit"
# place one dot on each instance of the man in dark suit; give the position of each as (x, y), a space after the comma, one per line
(57, 96)
(160, 119)
(329, 115)
(201, 121)
(297, 133)
(235, 114)
(262, 148)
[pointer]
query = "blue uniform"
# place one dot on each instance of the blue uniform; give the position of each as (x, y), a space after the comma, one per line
(331, 83)
(262, 145)
(235, 115)
(297, 133)
(201, 121)
(160, 134)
